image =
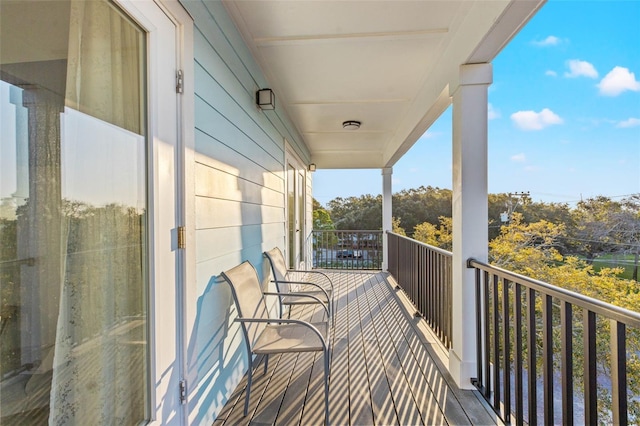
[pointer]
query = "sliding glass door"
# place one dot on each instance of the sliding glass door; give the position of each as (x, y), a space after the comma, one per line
(75, 203)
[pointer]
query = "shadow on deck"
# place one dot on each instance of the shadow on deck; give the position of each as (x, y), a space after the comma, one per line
(386, 369)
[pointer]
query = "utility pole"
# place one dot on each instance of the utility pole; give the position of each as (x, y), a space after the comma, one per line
(524, 197)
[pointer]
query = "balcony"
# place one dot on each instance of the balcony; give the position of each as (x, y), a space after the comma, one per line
(390, 351)
(387, 368)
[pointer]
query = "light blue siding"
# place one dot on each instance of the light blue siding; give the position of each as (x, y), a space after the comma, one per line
(240, 200)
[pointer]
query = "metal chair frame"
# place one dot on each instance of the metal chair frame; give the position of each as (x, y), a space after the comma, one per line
(271, 335)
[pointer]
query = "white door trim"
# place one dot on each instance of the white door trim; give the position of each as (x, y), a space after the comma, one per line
(170, 150)
(292, 158)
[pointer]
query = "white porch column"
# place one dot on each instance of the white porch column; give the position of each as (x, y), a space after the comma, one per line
(387, 172)
(470, 216)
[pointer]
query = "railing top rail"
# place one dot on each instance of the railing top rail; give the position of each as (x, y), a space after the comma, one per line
(420, 243)
(617, 313)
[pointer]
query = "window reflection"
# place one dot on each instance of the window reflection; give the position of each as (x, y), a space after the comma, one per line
(73, 250)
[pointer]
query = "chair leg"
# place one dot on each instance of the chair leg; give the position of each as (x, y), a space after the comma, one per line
(326, 386)
(249, 378)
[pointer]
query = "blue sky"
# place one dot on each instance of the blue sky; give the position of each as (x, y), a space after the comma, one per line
(564, 113)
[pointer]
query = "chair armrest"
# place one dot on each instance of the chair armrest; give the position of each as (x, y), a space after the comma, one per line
(313, 272)
(304, 283)
(309, 296)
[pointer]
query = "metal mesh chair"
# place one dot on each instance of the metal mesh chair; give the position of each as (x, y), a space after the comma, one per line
(264, 335)
(290, 288)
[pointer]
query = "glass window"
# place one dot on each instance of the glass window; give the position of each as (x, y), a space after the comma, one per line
(73, 215)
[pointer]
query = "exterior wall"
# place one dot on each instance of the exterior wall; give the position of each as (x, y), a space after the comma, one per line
(239, 185)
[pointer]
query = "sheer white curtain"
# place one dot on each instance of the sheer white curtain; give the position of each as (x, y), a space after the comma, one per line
(100, 362)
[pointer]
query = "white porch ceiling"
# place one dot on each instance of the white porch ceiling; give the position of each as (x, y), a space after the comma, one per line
(388, 64)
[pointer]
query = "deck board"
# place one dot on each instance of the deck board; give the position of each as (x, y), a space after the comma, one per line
(385, 369)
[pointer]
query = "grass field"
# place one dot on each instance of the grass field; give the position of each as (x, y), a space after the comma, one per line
(616, 261)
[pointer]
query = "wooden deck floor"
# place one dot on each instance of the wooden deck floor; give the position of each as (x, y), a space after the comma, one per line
(386, 370)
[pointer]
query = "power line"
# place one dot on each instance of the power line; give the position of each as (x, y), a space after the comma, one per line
(575, 199)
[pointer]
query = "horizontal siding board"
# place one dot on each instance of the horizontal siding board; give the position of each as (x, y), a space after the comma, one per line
(214, 153)
(213, 97)
(214, 183)
(210, 70)
(208, 244)
(225, 39)
(215, 213)
(208, 271)
(215, 25)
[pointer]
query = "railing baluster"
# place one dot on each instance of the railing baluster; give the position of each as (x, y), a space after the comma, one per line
(590, 374)
(487, 337)
(450, 296)
(438, 294)
(424, 273)
(517, 331)
(618, 373)
(479, 327)
(339, 249)
(532, 346)
(566, 326)
(547, 357)
(496, 343)
(506, 353)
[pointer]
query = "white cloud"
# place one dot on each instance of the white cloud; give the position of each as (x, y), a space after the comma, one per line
(631, 122)
(519, 158)
(551, 73)
(492, 113)
(578, 68)
(549, 41)
(617, 81)
(531, 120)
(429, 134)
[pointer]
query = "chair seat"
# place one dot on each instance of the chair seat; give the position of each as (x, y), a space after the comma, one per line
(279, 338)
(298, 300)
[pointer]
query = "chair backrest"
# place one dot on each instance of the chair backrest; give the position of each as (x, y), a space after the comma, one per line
(279, 269)
(248, 297)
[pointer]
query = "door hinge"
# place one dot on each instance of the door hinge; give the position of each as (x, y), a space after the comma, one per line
(182, 237)
(183, 392)
(179, 81)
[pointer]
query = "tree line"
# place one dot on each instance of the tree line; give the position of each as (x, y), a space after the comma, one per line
(593, 228)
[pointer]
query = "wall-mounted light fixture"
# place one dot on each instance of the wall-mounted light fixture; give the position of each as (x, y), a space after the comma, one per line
(312, 167)
(266, 99)
(351, 125)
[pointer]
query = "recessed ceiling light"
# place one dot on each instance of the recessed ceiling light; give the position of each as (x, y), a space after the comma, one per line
(351, 125)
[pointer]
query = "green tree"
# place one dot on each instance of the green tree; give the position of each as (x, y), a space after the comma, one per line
(357, 213)
(424, 204)
(396, 228)
(531, 249)
(437, 236)
(596, 225)
(628, 231)
(322, 220)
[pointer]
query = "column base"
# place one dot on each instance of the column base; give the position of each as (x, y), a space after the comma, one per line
(462, 371)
